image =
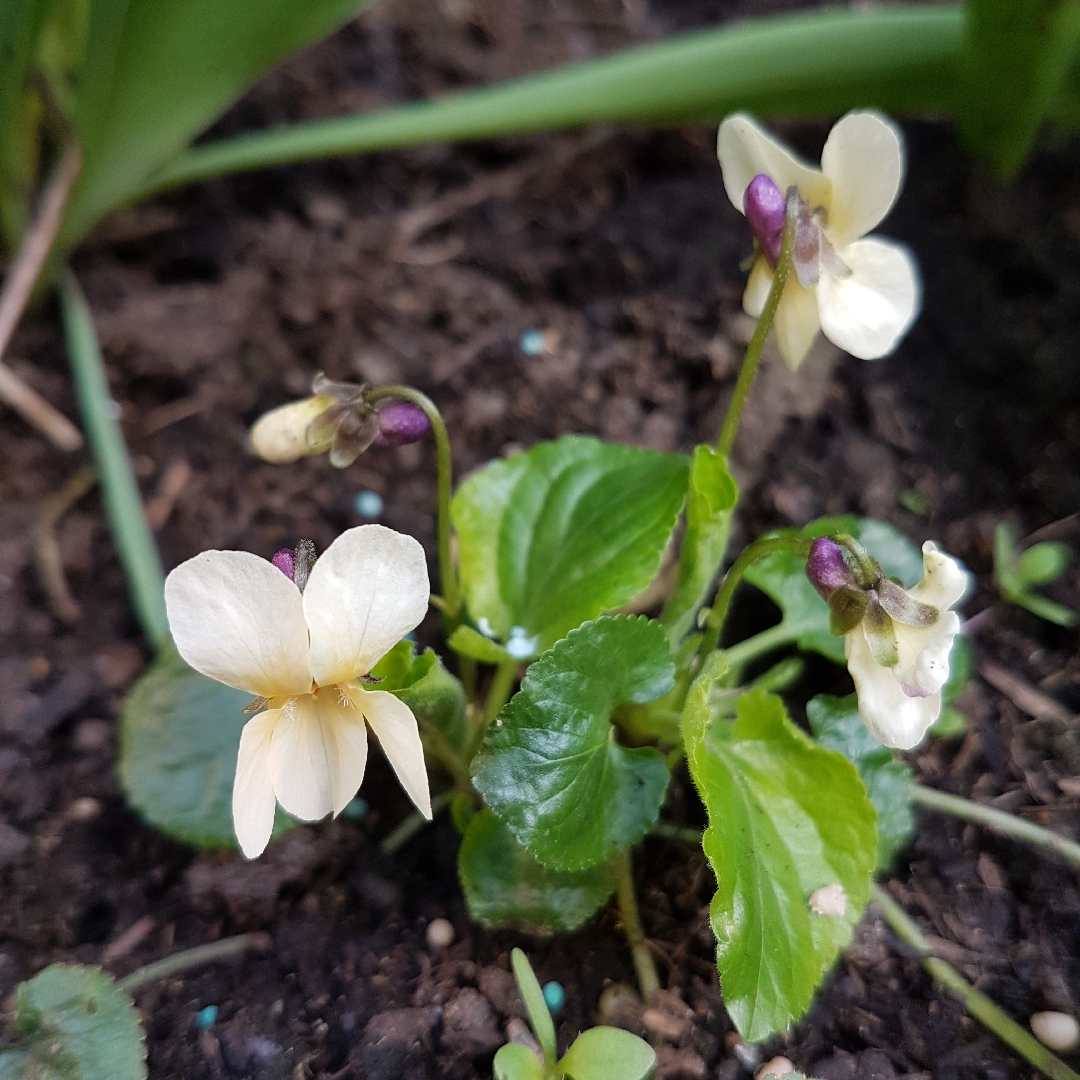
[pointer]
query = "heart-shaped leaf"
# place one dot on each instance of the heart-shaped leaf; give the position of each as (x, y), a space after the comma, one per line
(551, 766)
(607, 1053)
(562, 533)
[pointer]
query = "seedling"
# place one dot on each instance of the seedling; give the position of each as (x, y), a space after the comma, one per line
(1019, 573)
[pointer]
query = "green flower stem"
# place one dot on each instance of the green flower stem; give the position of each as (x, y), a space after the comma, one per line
(498, 695)
(215, 951)
(680, 833)
(1007, 824)
(451, 591)
(752, 358)
(399, 836)
(767, 641)
(123, 504)
(644, 966)
(980, 1006)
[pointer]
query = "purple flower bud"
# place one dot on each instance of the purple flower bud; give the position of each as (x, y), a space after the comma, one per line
(766, 208)
(826, 567)
(401, 422)
(284, 561)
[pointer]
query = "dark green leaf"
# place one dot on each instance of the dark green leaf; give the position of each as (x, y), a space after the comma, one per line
(1042, 564)
(535, 1006)
(710, 502)
(79, 1026)
(179, 736)
(514, 1062)
(837, 725)
(561, 533)
(505, 886)
(551, 767)
(607, 1053)
(786, 818)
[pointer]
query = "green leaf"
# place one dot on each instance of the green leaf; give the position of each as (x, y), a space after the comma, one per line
(561, 533)
(786, 818)
(158, 72)
(607, 1053)
(535, 1006)
(13, 1064)
(466, 641)
(837, 725)
(505, 886)
(1042, 564)
(514, 1062)
(951, 724)
(782, 577)
(179, 736)
(1005, 559)
(551, 767)
(1029, 42)
(79, 1026)
(1046, 609)
(712, 496)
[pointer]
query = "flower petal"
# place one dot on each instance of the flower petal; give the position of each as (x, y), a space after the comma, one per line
(864, 160)
(924, 655)
(870, 310)
(745, 150)
(394, 724)
(238, 619)
(796, 323)
(281, 434)
(318, 754)
(757, 288)
(253, 802)
(944, 579)
(366, 592)
(892, 717)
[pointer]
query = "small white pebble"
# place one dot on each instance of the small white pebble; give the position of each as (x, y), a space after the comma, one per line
(440, 933)
(829, 900)
(1058, 1030)
(777, 1066)
(84, 809)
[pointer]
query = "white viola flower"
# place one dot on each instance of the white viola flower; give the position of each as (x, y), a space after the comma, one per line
(245, 622)
(864, 294)
(897, 642)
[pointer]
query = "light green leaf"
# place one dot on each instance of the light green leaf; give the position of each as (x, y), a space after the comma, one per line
(466, 641)
(551, 766)
(1046, 609)
(179, 736)
(535, 1006)
(514, 1062)
(607, 1053)
(79, 1026)
(786, 818)
(837, 725)
(563, 532)
(782, 577)
(712, 496)
(505, 886)
(951, 724)
(1043, 563)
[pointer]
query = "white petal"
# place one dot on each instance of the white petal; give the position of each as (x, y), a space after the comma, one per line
(253, 802)
(399, 736)
(318, 754)
(796, 323)
(924, 655)
(944, 579)
(757, 288)
(366, 592)
(867, 313)
(238, 619)
(745, 150)
(864, 160)
(892, 717)
(281, 434)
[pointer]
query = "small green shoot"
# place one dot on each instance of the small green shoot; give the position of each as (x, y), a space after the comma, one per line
(1018, 573)
(601, 1053)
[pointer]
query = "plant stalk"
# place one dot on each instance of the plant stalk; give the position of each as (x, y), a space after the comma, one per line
(401, 834)
(215, 951)
(767, 641)
(980, 1006)
(123, 504)
(644, 966)
(1007, 824)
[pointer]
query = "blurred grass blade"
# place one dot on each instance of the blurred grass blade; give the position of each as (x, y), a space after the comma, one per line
(123, 505)
(900, 59)
(1014, 61)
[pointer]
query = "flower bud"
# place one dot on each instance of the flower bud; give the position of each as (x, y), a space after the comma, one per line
(400, 422)
(285, 562)
(826, 567)
(280, 435)
(765, 207)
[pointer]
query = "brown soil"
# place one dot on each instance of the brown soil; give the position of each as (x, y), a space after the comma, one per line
(426, 267)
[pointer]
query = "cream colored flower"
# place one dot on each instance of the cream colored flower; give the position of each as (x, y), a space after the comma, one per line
(864, 294)
(240, 620)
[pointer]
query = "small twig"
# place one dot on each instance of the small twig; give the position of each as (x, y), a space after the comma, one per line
(980, 1006)
(50, 565)
(644, 966)
(401, 834)
(1026, 698)
(998, 820)
(16, 293)
(172, 483)
(215, 951)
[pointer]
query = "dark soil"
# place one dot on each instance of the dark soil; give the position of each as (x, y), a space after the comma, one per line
(426, 267)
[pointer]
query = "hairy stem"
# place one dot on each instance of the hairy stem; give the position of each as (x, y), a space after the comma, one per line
(999, 821)
(980, 1006)
(215, 951)
(644, 966)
